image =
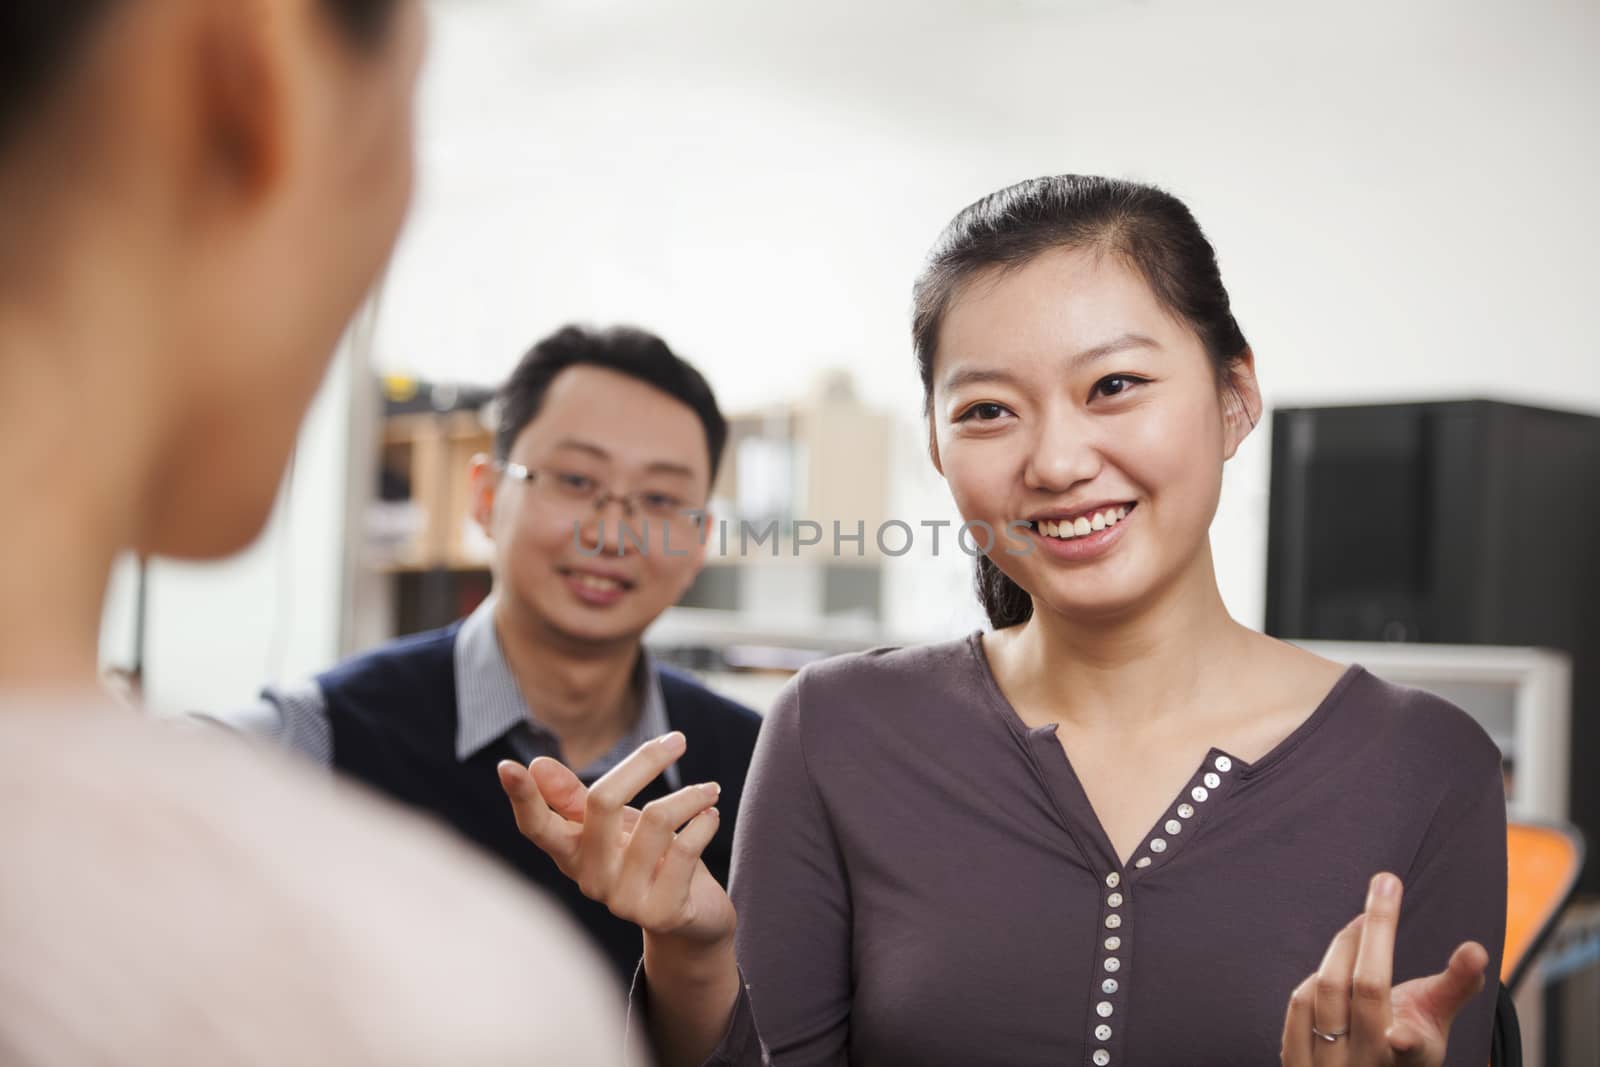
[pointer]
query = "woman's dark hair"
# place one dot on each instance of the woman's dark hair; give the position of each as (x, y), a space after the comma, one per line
(1148, 228)
(623, 349)
(40, 40)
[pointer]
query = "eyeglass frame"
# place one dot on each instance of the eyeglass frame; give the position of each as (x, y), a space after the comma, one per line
(602, 495)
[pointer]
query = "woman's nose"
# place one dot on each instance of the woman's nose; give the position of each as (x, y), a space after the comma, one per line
(1065, 453)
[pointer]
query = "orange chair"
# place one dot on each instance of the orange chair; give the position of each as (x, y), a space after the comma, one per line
(1543, 861)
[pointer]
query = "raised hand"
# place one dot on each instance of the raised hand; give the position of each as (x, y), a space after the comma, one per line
(1348, 1014)
(644, 865)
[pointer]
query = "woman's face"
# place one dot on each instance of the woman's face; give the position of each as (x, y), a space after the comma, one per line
(276, 269)
(1065, 396)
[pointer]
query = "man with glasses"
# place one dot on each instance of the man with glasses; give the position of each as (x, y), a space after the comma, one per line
(606, 448)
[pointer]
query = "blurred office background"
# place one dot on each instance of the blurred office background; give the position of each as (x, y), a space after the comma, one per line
(1401, 196)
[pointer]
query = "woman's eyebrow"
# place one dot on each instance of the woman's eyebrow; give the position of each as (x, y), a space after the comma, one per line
(970, 375)
(1109, 348)
(976, 375)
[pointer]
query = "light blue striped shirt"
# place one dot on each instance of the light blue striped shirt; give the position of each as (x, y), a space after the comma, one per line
(489, 705)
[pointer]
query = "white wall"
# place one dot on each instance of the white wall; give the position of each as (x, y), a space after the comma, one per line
(1402, 195)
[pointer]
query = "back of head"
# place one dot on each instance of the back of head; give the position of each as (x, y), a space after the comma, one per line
(38, 41)
(195, 196)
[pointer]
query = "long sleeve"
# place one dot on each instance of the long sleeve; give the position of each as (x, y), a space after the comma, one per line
(789, 887)
(1456, 891)
(292, 717)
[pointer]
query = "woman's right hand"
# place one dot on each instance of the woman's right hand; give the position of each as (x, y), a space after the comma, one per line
(644, 865)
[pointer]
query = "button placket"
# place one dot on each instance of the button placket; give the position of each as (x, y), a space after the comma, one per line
(1201, 792)
(1104, 1025)
(1107, 1030)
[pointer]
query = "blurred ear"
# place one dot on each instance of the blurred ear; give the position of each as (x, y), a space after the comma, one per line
(1241, 403)
(483, 479)
(241, 75)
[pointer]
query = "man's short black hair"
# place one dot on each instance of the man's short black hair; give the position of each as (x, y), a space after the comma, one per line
(623, 349)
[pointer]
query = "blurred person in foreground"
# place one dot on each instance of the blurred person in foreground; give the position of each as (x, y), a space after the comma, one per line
(194, 196)
(606, 447)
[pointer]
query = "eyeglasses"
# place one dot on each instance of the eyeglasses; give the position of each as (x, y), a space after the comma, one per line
(572, 490)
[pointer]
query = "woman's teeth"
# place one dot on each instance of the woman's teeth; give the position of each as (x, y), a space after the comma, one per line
(602, 585)
(1082, 524)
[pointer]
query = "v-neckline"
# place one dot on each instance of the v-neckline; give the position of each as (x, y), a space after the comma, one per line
(1218, 774)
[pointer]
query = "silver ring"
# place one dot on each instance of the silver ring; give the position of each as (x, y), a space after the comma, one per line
(1331, 1036)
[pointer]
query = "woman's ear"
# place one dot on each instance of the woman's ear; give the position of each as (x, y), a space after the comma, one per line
(244, 120)
(1241, 402)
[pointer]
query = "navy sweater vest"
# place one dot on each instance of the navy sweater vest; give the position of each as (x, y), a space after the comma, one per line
(393, 714)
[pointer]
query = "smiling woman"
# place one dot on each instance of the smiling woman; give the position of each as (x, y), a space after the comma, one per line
(1121, 827)
(1154, 253)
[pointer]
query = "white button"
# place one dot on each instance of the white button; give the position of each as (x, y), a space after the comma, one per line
(1158, 844)
(1114, 900)
(1113, 879)
(1102, 1032)
(1113, 943)
(1104, 1009)
(1101, 1057)
(1113, 921)
(1108, 987)
(1199, 793)
(1212, 781)
(1224, 764)
(1113, 965)
(1144, 861)
(1185, 810)
(1174, 826)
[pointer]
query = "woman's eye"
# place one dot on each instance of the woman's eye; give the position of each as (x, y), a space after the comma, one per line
(985, 412)
(1116, 384)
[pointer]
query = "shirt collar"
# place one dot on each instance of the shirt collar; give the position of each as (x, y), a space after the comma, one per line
(488, 702)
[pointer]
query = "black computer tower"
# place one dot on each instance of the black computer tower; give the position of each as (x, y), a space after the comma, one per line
(1463, 522)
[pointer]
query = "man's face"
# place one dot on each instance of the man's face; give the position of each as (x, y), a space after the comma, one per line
(568, 568)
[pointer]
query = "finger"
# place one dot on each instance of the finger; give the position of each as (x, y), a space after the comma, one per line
(566, 793)
(669, 893)
(1370, 1002)
(534, 818)
(1331, 1003)
(617, 787)
(1441, 996)
(600, 858)
(652, 837)
(1408, 1043)
(1296, 1050)
(563, 791)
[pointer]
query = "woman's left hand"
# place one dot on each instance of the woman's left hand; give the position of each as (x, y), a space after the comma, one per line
(1349, 1015)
